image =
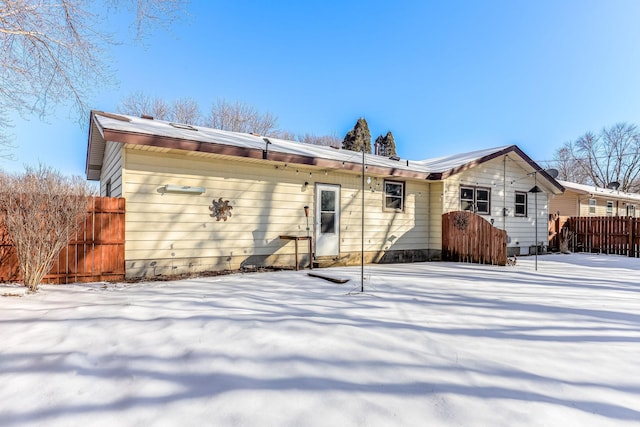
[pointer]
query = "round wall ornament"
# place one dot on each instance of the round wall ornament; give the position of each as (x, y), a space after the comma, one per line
(220, 209)
(460, 220)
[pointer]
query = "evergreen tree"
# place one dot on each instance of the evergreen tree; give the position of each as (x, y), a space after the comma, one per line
(386, 145)
(358, 137)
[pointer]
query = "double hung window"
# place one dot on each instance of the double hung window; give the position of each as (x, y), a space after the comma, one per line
(394, 195)
(475, 199)
(521, 204)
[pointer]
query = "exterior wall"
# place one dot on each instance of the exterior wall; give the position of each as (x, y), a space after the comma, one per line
(619, 206)
(504, 177)
(389, 236)
(112, 170)
(577, 204)
(436, 209)
(172, 233)
(566, 204)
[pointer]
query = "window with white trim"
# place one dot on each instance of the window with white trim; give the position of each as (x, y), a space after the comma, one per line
(467, 199)
(631, 211)
(475, 199)
(394, 195)
(592, 206)
(521, 203)
(609, 208)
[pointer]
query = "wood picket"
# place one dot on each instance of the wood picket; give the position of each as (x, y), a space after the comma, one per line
(95, 253)
(467, 237)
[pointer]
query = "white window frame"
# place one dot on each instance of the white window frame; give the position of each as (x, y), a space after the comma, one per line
(609, 208)
(524, 205)
(474, 203)
(467, 204)
(631, 211)
(592, 206)
(392, 196)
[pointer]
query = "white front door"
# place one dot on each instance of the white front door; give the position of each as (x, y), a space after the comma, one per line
(327, 221)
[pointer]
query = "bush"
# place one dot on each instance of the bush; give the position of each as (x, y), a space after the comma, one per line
(41, 209)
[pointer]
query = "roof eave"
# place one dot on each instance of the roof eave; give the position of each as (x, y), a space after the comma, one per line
(496, 154)
(93, 169)
(143, 139)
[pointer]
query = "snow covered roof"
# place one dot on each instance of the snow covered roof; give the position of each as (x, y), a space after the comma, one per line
(146, 131)
(598, 191)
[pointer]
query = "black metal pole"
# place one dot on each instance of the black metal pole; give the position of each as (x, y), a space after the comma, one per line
(362, 231)
(535, 185)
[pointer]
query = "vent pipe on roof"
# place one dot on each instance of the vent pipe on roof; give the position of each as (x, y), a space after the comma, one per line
(265, 152)
(146, 116)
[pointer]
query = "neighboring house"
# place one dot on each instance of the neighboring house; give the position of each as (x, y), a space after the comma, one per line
(204, 199)
(588, 200)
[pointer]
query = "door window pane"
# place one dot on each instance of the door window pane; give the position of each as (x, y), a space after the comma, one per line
(328, 201)
(327, 222)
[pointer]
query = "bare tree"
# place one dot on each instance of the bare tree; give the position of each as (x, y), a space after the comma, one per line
(183, 110)
(5, 140)
(284, 134)
(612, 155)
(52, 52)
(224, 115)
(139, 104)
(41, 209)
(332, 140)
(239, 117)
(568, 166)
(186, 110)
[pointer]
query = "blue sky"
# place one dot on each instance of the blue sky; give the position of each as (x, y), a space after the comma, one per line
(444, 76)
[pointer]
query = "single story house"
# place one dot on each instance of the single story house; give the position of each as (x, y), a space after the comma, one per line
(201, 199)
(587, 200)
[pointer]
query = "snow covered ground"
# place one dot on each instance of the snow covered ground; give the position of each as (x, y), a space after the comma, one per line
(433, 344)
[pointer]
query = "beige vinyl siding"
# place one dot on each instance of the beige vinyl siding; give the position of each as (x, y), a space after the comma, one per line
(566, 204)
(384, 230)
(112, 169)
(176, 232)
(435, 215)
(601, 206)
(504, 176)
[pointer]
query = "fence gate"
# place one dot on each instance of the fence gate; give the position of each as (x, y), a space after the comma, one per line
(468, 237)
(95, 253)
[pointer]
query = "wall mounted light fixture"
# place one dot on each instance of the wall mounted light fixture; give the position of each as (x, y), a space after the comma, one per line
(169, 188)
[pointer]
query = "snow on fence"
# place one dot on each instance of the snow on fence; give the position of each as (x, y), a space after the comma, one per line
(95, 253)
(468, 237)
(609, 235)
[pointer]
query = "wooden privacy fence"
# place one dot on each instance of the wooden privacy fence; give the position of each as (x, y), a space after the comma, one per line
(468, 237)
(95, 253)
(556, 224)
(609, 235)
